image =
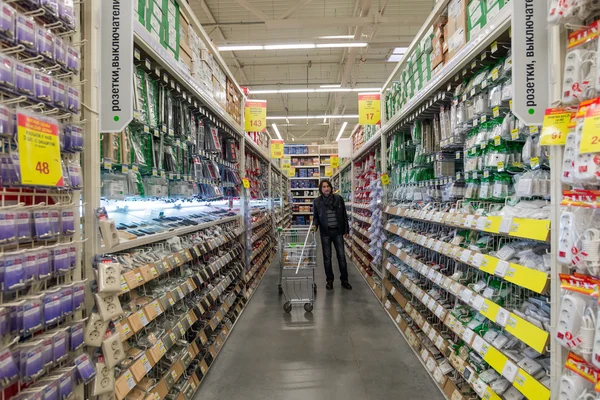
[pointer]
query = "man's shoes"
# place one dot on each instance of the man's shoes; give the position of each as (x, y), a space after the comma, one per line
(347, 285)
(329, 286)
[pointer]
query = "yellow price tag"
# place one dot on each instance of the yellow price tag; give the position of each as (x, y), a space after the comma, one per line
(291, 172)
(277, 148)
(39, 151)
(286, 164)
(496, 112)
(385, 179)
(255, 115)
(495, 74)
(590, 137)
(555, 127)
(534, 162)
(246, 183)
(497, 140)
(494, 47)
(328, 171)
(510, 104)
(334, 161)
(369, 108)
(514, 134)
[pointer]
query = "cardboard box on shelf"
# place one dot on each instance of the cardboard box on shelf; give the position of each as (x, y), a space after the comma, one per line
(456, 27)
(476, 17)
(437, 56)
(493, 7)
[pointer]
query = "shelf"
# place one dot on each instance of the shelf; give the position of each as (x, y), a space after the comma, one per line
(361, 206)
(526, 228)
(367, 145)
(300, 155)
(462, 58)
(519, 275)
(143, 38)
(308, 177)
(157, 237)
(524, 382)
(370, 282)
(305, 166)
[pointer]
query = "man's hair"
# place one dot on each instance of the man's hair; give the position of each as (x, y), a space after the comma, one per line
(321, 185)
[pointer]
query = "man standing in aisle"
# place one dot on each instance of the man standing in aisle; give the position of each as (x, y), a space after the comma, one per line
(329, 214)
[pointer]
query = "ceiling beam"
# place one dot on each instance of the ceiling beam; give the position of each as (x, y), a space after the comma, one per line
(211, 18)
(253, 9)
(293, 9)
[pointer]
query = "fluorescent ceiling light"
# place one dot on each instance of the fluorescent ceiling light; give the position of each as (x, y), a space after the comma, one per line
(342, 130)
(400, 50)
(277, 131)
(319, 90)
(240, 48)
(289, 46)
(331, 86)
(395, 58)
(291, 117)
(335, 45)
(337, 37)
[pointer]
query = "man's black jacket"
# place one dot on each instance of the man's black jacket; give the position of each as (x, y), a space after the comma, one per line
(320, 214)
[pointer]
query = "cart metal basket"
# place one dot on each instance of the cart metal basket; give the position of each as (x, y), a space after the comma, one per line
(298, 258)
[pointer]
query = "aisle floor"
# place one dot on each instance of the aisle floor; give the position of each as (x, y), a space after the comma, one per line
(347, 349)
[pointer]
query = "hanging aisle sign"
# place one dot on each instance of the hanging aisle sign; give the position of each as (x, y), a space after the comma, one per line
(369, 108)
(255, 115)
(530, 60)
(286, 164)
(276, 148)
(328, 171)
(39, 151)
(116, 65)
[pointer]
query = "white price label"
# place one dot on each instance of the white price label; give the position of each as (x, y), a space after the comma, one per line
(481, 221)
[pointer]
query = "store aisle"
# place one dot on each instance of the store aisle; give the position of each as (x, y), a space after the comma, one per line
(340, 351)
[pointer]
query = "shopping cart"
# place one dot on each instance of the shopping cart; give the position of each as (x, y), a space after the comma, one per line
(298, 255)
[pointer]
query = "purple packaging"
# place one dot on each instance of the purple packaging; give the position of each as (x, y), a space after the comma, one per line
(59, 256)
(41, 223)
(73, 59)
(42, 86)
(14, 273)
(32, 313)
(73, 103)
(10, 372)
(30, 266)
(60, 345)
(7, 23)
(51, 7)
(45, 43)
(66, 301)
(67, 218)
(7, 126)
(66, 381)
(24, 79)
(47, 358)
(60, 56)
(7, 227)
(30, 360)
(16, 317)
(76, 335)
(55, 221)
(14, 164)
(74, 171)
(73, 250)
(7, 72)
(86, 371)
(66, 13)
(30, 394)
(50, 388)
(78, 295)
(25, 32)
(73, 138)
(4, 321)
(59, 94)
(43, 257)
(51, 306)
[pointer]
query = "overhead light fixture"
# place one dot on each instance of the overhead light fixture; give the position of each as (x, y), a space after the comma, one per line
(335, 85)
(240, 48)
(277, 131)
(291, 46)
(400, 50)
(395, 57)
(292, 117)
(342, 130)
(310, 90)
(339, 45)
(334, 37)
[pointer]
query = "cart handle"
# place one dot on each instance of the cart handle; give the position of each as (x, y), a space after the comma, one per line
(304, 247)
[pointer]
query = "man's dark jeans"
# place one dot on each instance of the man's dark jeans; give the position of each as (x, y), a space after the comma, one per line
(338, 241)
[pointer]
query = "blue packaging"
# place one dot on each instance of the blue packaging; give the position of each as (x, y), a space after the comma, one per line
(66, 382)
(24, 225)
(7, 72)
(76, 335)
(7, 227)
(66, 13)
(25, 32)
(44, 266)
(14, 273)
(49, 387)
(73, 59)
(59, 256)
(30, 394)
(59, 94)
(24, 79)
(47, 344)
(73, 100)
(60, 340)
(66, 301)
(32, 313)
(75, 134)
(31, 365)
(4, 320)
(67, 218)
(54, 216)
(43, 228)
(60, 55)
(7, 124)
(52, 306)
(78, 294)
(10, 370)
(16, 317)
(8, 17)
(42, 87)
(30, 266)
(86, 371)
(73, 251)
(51, 7)
(45, 43)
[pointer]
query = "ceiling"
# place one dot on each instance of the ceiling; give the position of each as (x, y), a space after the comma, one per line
(383, 24)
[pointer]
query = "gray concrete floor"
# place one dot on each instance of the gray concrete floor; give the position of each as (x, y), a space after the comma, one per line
(347, 349)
